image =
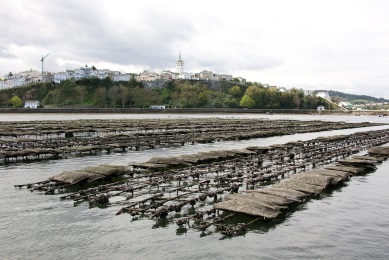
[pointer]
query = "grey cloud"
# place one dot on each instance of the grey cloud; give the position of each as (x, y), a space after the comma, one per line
(5, 53)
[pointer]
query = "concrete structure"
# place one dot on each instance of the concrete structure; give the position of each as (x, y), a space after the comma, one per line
(207, 75)
(224, 77)
(31, 104)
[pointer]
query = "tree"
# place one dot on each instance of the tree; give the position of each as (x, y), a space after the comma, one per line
(235, 91)
(247, 102)
(100, 97)
(144, 97)
(298, 96)
(113, 94)
(53, 97)
(123, 94)
(81, 91)
(16, 102)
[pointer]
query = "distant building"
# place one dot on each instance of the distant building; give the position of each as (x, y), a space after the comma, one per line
(20, 79)
(242, 80)
(324, 94)
(31, 104)
(185, 75)
(345, 104)
(158, 107)
(224, 77)
(117, 76)
(180, 65)
(320, 108)
(207, 75)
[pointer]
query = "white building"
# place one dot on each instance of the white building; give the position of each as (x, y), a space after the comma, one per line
(20, 79)
(180, 65)
(166, 74)
(121, 76)
(324, 94)
(31, 104)
(242, 80)
(84, 72)
(62, 76)
(185, 75)
(158, 107)
(148, 76)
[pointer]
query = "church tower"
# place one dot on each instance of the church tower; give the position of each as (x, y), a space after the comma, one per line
(180, 65)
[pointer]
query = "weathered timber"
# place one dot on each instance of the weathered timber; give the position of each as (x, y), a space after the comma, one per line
(267, 198)
(351, 169)
(270, 205)
(250, 208)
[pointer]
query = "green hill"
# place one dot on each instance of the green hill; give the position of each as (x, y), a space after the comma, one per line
(105, 93)
(355, 99)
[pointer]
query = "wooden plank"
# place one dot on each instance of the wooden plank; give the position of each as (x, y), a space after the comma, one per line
(247, 207)
(270, 205)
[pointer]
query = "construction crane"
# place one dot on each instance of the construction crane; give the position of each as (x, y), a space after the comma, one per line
(42, 60)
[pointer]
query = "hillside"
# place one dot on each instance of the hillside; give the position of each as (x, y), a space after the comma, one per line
(354, 98)
(104, 93)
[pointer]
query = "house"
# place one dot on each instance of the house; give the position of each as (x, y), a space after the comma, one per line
(324, 94)
(31, 104)
(320, 108)
(158, 107)
(224, 77)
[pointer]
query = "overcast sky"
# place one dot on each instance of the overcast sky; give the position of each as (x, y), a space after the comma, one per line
(339, 45)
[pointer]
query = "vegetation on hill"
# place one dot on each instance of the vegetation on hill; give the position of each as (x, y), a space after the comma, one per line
(93, 92)
(354, 99)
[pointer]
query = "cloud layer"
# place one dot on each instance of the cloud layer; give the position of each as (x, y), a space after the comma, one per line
(339, 45)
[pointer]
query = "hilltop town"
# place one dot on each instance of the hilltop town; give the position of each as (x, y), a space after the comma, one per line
(33, 76)
(158, 80)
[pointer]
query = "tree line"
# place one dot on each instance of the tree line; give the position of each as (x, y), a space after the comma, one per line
(105, 93)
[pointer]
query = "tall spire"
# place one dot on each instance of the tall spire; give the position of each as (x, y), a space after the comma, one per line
(179, 64)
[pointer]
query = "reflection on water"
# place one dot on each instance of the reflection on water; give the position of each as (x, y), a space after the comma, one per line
(347, 223)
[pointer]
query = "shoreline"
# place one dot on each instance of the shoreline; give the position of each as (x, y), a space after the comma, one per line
(179, 111)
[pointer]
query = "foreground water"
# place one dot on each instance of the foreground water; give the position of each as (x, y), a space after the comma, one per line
(348, 223)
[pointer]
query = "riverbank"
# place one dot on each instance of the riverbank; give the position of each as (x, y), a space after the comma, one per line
(171, 111)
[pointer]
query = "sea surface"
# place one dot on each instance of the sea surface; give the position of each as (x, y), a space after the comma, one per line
(350, 222)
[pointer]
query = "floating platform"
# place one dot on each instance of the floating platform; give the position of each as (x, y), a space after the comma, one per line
(210, 187)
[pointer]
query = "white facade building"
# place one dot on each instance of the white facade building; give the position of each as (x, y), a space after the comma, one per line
(324, 94)
(121, 77)
(31, 104)
(61, 76)
(185, 75)
(20, 79)
(180, 65)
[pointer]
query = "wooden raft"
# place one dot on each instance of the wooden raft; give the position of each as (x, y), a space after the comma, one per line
(268, 203)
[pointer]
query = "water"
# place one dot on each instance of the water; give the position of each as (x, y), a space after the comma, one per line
(348, 223)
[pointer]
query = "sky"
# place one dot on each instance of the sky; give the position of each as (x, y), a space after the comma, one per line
(340, 45)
